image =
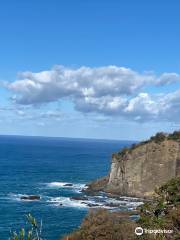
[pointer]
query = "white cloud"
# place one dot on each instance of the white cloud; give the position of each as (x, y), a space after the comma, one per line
(107, 90)
(62, 82)
(168, 78)
(142, 105)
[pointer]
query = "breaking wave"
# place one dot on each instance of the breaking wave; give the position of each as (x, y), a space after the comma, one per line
(77, 187)
(80, 200)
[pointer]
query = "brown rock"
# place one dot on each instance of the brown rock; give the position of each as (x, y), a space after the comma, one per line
(140, 170)
(31, 197)
(68, 185)
(79, 198)
(137, 171)
(97, 185)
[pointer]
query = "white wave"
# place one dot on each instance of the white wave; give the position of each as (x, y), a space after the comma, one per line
(18, 197)
(57, 184)
(15, 196)
(10, 196)
(77, 187)
(126, 202)
(67, 202)
(135, 199)
(91, 202)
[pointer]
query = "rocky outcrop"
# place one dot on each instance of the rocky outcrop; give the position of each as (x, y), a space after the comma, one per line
(79, 198)
(30, 197)
(138, 170)
(162, 212)
(97, 186)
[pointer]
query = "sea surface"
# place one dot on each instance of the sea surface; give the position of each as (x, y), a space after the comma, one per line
(44, 166)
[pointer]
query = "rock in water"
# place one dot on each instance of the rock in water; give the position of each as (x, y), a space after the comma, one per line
(31, 197)
(68, 185)
(79, 198)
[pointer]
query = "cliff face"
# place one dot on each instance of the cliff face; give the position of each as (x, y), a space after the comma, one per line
(138, 171)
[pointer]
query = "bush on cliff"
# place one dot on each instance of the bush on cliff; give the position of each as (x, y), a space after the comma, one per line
(104, 225)
(174, 136)
(159, 137)
(164, 211)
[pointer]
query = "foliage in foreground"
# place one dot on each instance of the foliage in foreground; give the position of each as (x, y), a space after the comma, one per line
(33, 233)
(103, 225)
(164, 211)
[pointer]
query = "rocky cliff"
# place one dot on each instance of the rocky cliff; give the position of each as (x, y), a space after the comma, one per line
(138, 170)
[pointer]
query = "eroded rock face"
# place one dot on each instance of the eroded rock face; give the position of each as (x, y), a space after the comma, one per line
(97, 185)
(140, 170)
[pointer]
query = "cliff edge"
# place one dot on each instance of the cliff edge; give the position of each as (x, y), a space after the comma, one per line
(138, 170)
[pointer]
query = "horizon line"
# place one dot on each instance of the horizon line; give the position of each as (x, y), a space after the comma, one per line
(73, 138)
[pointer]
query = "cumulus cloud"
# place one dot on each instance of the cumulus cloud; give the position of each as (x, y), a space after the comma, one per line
(109, 90)
(142, 105)
(62, 82)
(168, 78)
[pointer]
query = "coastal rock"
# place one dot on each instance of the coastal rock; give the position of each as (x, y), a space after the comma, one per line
(92, 205)
(97, 185)
(31, 197)
(113, 205)
(79, 198)
(68, 185)
(138, 170)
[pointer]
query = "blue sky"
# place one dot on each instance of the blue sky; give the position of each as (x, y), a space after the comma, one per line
(94, 69)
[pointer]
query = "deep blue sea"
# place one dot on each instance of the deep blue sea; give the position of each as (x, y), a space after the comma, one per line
(43, 166)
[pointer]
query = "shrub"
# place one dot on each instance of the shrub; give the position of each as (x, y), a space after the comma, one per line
(159, 137)
(33, 233)
(164, 211)
(175, 136)
(123, 151)
(104, 225)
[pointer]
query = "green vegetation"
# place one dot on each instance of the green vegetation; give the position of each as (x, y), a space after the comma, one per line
(158, 138)
(33, 233)
(104, 225)
(123, 151)
(164, 211)
(174, 136)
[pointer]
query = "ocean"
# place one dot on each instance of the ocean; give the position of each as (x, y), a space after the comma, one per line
(56, 169)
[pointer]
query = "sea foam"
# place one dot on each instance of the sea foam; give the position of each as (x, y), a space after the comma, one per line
(77, 187)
